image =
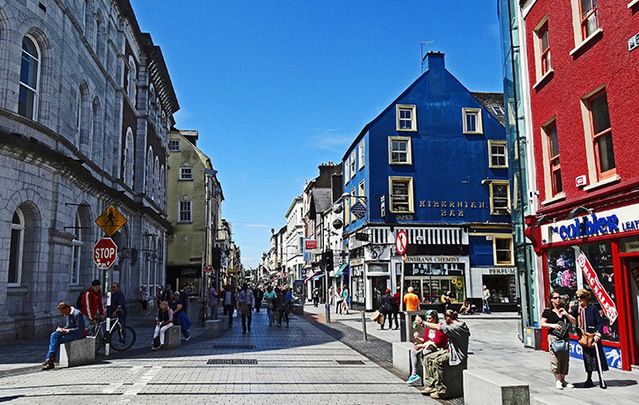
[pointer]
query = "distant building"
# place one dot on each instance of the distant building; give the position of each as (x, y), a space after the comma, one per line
(293, 244)
(85, 105)
(435, 164)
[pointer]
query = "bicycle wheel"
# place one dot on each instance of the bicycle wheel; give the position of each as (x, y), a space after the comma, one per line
(99, 342)
(122, 338)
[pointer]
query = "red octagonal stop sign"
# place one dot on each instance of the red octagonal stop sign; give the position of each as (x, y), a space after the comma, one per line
(105, 253)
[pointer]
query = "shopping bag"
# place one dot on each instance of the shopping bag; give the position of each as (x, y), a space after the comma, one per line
(381, 318)
(375, 315)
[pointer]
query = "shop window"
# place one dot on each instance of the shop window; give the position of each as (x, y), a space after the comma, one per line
(503, 289)
(565, 279)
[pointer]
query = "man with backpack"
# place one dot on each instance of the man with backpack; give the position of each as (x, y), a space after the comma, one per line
(90, 303)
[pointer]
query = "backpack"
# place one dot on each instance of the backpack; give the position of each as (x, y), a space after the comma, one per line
(78, 302)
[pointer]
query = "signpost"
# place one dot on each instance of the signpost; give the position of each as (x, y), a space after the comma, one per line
(401, 242)
(359, 210)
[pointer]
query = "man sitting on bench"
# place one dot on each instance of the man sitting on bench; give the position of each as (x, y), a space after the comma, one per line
(73, 329)
(438, 383)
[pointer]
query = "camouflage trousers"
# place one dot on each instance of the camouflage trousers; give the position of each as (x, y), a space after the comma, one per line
(434, 364)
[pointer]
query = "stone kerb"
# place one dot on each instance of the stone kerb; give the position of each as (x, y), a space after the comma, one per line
(491, 388)
(172, 338)
(77, 352)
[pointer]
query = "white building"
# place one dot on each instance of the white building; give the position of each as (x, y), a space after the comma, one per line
(293, 243)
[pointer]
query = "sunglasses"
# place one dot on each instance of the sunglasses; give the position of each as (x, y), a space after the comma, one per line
(555, 298)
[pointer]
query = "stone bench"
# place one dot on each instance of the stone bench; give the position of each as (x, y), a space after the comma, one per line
(401, 357)
(77, 352)
(297, 309)
(487, 387)
(214, 328)
(173, 337)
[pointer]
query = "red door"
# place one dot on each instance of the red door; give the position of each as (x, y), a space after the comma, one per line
(632, 277)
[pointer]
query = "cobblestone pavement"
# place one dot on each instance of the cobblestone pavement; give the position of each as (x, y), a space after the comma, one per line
(300, 364)
(494, 345)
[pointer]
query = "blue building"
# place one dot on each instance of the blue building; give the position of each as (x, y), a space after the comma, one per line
(435, 164)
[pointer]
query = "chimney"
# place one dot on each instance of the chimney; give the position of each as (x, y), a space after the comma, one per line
(435, 60)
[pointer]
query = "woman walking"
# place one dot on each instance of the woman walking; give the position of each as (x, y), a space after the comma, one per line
(590, 330)
(386, 307)
(270, 300)
(338, 301)
(558, 320)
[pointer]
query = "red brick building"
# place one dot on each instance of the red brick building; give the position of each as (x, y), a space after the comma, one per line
(583, 58)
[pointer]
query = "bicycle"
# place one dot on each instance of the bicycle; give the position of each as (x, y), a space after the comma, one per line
(120, 337)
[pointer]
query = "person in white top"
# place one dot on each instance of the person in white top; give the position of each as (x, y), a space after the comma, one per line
(245, 304)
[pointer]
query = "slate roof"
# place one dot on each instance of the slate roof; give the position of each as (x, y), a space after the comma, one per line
(322, 199)
(490, 101)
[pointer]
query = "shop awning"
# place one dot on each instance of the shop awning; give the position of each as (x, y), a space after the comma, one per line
(339, 272)
(316, 274)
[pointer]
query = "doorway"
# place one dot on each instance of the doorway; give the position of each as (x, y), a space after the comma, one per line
(632, 265)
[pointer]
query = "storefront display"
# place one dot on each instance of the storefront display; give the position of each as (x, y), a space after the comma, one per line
(432, 280)
(357, 280)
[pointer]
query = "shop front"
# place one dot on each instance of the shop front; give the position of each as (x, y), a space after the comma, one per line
(434, 276)
(599, 252)
(501, 283)
(358, 290)
(377, 281)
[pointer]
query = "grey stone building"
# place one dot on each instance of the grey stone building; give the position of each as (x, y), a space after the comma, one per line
(85, 106)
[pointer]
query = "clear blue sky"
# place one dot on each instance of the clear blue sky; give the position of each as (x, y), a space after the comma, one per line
(277, 87)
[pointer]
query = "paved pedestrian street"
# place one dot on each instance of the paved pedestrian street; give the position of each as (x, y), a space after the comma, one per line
(300, 364)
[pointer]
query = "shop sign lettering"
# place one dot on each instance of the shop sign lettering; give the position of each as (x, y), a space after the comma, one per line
(587, 227)
(505, 270)
(452, 208)
(433, 259)
(607, 304)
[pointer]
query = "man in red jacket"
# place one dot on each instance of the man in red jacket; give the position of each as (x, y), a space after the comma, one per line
(92, 308)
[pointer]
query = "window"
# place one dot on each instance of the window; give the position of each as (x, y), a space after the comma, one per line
(503, 250)
(131, 82)
(174, 145)
(602, 135)
(29, 79)
(347, 172)
(406, 117)
(362, 191)
(186, 173)
(542, 49)
(497, 155)
(401, 195)
(185, 211)
(78, 114)
(498, 110)
(361, 154)
(589, 17)
(353, 169)
(399, 150)
(127, 171)
(17, 245)
(553, 163)
(76, 250)
(499, 197)
(353, 202)
(472, 121)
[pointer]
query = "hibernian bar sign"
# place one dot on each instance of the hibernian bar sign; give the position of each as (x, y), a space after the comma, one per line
(449, 208)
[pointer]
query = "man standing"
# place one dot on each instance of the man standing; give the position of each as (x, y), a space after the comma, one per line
(259, 296)
(214, 302)
(229, 303)
(485, 294)
(315, 297)
(395, 310)
(246, 301)
(73, 329)
(411, 300)
(118, 307)
(91, 301)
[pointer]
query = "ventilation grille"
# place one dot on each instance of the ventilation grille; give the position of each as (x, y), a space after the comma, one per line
(350, 362)
(231, 361)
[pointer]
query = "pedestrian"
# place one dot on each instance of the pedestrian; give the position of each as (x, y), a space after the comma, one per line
(485, 300)
(558, 320)
(432, 341)
(395, 309)
(270, 300)
(386, 307)
(143, 297)
(446, 300)
(259, 295)
(316, 297)
(590, 329)
(167, 293)
(73, 329)
(245, 303)
(467, 308)
(284, 306)
(411, 300)
(118, 308)
(346, 300)
(214, 302)
(163, 322)
(90, 303)
(180, 317)
(229, 303)
(338, 301)
(331, 296)
(456, 356)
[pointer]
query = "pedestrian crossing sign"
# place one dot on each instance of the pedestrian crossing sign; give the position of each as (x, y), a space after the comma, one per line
(111, 220)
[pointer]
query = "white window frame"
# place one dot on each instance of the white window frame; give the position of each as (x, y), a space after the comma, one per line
(128, 171)
(479, 130)
(542, 26)
(182, 176)
(492, 165)
(37, 58)
(20, 253)
(185, 210)
(497, 237)
(411, 195)
(409, 150)
(353, 164)
(353, 200)
(174, 145)
(413, 110)
(491, 185)
(361, 149)
(579, 36)
(76, 251)
(546, 144)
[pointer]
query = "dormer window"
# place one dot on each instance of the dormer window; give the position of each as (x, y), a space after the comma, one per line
(406, 117)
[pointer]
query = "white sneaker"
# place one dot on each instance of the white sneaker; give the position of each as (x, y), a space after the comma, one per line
(559, 385)
(568, 385)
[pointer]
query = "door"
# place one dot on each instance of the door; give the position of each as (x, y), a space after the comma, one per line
(379, 287)
(633, 271)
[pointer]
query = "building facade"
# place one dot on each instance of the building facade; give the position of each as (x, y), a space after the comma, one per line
(582, 60)
(85, 106)
(194, 210)
(293, 244)
(434, 163)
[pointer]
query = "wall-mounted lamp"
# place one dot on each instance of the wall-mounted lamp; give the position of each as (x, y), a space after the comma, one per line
(486, 181)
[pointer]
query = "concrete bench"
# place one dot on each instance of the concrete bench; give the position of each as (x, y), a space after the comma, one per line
(77, 352)
(401, 357)
(173, 337)
(297, 309)
(487, 387)
(214, 328)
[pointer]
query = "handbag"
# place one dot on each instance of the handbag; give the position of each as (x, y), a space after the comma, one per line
(375, 315)
(559, 345)
(587, 340)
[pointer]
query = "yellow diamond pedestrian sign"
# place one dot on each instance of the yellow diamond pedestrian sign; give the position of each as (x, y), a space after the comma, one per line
(111, 220)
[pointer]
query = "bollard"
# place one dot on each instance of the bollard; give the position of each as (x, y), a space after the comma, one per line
(402, 327)
(364, 324)
(327, 312)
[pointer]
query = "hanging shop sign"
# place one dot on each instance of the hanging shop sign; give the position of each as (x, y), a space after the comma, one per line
(607, 304)
(377, 252)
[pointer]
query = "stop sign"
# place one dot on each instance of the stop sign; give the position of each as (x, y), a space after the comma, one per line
(105, 253)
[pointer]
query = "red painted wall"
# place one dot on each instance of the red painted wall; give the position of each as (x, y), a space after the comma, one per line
(607, 61)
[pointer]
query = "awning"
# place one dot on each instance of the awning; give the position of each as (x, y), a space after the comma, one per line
(339, 272)
(319, 273)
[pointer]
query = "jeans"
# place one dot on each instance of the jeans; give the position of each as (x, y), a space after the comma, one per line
(160, 331)
(184, 322)
(283, 315)
(214, 311)
(269, 313)
(228, 309)
(57, 338)
(246, 314)
(391, 315)
(414, 360)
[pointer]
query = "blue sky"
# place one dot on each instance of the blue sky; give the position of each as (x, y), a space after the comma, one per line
(278, 87)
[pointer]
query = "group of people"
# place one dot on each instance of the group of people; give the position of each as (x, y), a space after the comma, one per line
(340, 298)
(590, 324)
(172, 311)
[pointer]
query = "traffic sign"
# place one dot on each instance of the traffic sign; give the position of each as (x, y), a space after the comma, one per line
(111, 220)
(310, 244)
(358, 210)
(105, 253)
(401, 241)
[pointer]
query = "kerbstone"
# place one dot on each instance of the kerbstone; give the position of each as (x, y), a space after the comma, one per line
(487, 387)
(77, 352)
(172, 338)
